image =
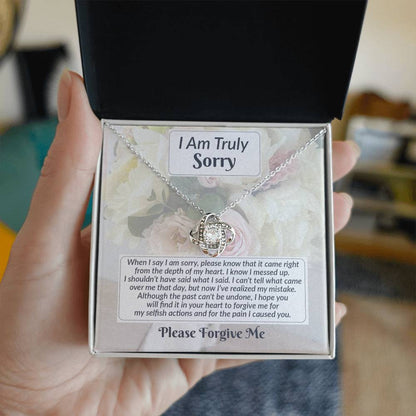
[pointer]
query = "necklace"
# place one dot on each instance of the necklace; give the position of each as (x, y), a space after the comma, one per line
(211, 234)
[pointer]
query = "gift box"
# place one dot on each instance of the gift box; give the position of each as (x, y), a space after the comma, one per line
(212, 229)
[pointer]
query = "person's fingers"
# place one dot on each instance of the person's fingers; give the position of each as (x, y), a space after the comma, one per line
(195, 369)
(342, 210)
(61, 196)
(340, 312)
(344, 157)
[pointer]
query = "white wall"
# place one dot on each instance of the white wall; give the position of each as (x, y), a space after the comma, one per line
(386, 59)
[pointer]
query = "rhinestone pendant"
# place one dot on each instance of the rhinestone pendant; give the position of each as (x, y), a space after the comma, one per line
(212, 235)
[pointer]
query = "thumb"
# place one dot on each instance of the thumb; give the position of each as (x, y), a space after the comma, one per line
(61, 196)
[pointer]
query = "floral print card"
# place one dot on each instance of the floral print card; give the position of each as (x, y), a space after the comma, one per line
(212, 239)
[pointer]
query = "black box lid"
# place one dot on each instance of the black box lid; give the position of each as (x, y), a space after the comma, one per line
(246, 61)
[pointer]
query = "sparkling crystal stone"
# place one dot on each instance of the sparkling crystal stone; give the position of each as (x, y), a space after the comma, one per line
(212, 234)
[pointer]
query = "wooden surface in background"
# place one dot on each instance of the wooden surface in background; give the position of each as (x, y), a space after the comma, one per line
(379, 245)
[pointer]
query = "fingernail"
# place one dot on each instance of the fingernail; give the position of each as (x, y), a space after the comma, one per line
(342, 310)
(348, 199)
(64, 95)
(355, 148)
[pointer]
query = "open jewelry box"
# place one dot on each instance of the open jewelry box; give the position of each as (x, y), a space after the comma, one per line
(218, 110)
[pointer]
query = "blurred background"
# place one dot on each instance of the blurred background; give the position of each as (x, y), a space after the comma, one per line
(376, 253)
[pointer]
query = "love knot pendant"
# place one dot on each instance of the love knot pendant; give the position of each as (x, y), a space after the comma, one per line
(212, 235)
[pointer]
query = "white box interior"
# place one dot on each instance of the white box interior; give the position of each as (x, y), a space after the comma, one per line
(110, 337)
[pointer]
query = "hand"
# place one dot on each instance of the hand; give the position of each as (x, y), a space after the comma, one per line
(45, 366)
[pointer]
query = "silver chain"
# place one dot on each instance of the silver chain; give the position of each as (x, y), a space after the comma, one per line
(230, 205)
